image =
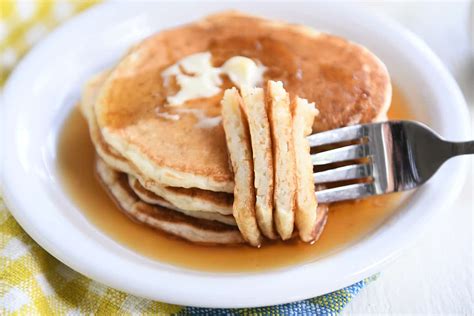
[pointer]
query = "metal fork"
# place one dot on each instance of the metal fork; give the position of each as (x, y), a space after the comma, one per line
(391, 156)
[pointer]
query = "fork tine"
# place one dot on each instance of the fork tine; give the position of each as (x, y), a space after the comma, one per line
(341, 154)
(347, 192)
(344, 173)
(338, 135)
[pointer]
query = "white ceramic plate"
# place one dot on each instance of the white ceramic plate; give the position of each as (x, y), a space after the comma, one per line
(46, 84)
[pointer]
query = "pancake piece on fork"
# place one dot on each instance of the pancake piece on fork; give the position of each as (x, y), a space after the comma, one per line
(284, 157)
(303, 114)
(259, 126)
(321, 219)
(240, 153)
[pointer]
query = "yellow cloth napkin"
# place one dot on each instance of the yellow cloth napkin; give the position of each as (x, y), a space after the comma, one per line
(24, 22)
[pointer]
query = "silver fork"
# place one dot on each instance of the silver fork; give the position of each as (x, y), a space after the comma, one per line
(397, 156)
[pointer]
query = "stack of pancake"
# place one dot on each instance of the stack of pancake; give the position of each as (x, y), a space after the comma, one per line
(169, 166)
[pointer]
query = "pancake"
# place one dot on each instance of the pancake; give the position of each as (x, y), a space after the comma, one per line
(303, 114)
(191, 199)
(259, 126)
(321, 219)
(349, 84)
(279, 114)
(151, 198)
(161, 218)
(89, 94)
(240, 152)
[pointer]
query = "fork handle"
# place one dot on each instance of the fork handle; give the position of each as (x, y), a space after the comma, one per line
(462, 148)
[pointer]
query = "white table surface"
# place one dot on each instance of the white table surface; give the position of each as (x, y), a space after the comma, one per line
(435, 275)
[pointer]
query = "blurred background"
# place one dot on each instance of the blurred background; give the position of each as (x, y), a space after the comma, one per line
(435, 275)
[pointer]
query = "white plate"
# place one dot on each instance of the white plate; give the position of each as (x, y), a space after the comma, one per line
(46, 84)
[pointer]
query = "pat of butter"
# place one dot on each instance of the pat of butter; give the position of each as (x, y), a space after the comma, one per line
(194, 87)
(199, 63)
(197, 77)
(243, 71)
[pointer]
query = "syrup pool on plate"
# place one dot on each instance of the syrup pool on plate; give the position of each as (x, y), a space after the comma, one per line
(347, 223)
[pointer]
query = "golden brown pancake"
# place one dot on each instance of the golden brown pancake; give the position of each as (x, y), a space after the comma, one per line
(303, 114)
(321, 219)
(349, 84)
(259, 126)
(240, 153)
(191, 199)
(89, 94)
(279, 114)
(151, 198)
(172, 222)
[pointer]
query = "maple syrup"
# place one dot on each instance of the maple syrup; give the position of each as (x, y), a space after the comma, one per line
(347, 223)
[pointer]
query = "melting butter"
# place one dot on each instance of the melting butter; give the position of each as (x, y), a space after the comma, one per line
(203, 121)
(168, 116)
(197, 77)
(209, 122)
(243, 71)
